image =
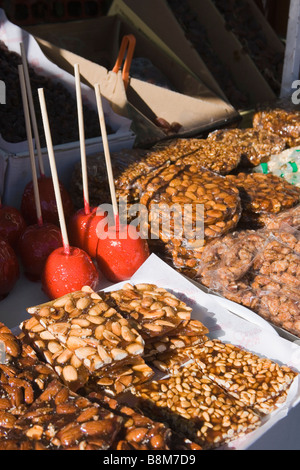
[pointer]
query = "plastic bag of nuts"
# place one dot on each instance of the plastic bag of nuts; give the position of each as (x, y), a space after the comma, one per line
(253, 146)
(259, 270)
(285, 220)
(281, 120)
(200, 153)
(261, 194)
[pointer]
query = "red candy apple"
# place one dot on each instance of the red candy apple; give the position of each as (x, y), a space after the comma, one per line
(121, 253)
(34, 247)
(9, 268)
(48, 202)
(82, 229)
(66, 272)
(12, 224)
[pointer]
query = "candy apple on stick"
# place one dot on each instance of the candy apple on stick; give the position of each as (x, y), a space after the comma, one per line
(119, 251)
(83, 224)
(9, 269)
(68, 268)
(46, 190)
(12, 224)
(40, 239)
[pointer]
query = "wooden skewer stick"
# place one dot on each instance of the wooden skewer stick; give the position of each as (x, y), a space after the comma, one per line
(106, 152)
(86, 199)
(32, 111)
(30, 145)
(55, 180)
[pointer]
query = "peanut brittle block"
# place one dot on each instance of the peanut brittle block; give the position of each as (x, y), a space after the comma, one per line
(196, 407)
(70, 366)
(22, 365)
(60, 420)
(263, 193)
(212, 155)
(22, 379)
(253, 145)
(153, 310)
(283, 122)
(121, 378)
(255, 381)
(169, 344)
(12, 345)
(84, 323)
(139, 432)
(189, 333)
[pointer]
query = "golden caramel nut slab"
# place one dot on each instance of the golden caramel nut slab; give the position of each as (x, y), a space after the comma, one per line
(85, 324)
(171, 343)
(265, 193)
(171, 361)
(64, 361)
(11, 344)
(214, 156)
(153, 309)
(256, 382)
(151, 161)
(251, 379)
(185, 232)
(22, 378)
(138, 431)
(218, 195)
(195, 406)
(121, 378)
(61, 420)
(153, 183)
(67, 363)
(190, 328)
(254, 146)
(284, 123)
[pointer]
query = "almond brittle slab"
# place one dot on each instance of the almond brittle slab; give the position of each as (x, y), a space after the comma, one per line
(60, 420)
(153, 310)
(85, 324)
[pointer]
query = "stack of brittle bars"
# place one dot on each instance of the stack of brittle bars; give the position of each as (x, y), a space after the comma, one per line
(65, 377)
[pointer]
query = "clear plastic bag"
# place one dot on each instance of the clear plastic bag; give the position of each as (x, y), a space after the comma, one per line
(259, 270)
